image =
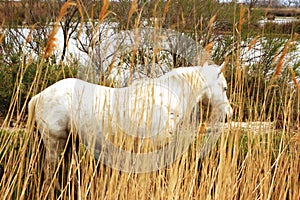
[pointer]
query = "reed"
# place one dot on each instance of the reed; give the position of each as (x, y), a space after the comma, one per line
(51, 44)
(253, 159)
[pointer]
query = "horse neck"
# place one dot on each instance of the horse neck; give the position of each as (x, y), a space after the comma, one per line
(193, 79)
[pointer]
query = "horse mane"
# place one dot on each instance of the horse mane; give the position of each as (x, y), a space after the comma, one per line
(180, 72)
(193, 76)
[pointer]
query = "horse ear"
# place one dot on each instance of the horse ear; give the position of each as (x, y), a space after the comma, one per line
(222, 67)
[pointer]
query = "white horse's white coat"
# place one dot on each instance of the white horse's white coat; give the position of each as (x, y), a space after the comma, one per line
(147, 108)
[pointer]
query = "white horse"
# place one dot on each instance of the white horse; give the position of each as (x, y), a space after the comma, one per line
(147, 108)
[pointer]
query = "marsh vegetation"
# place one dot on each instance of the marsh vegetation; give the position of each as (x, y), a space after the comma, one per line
(256, 157)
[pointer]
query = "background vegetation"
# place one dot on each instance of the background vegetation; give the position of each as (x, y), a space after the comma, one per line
(251, 160)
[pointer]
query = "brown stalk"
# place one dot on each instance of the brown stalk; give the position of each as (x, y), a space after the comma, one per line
(210, 26)
(295, 36)
(166, 9)
(81, 17)
(93, 12)
(102, 15)
(283, 54)
(281, 59)
(51, 44)
(248, 20)
(3, 34)
(209, 47)
(104, 9)
(226, 60)
(28, 39)
(294, 79)
(201, 24)
(211, 21)
(183, 19)
(241, 19)
(64, 9)
(252, 43)
(133, 8)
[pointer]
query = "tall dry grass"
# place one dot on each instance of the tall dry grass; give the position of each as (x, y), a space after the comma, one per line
(250, 161)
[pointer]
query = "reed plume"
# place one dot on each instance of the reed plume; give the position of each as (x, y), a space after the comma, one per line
(241, 19)
(103, 12)
(28, 39)
(208, 48)
(166, 9)
(133, 8)
(210, 26)
(294, 78)
(253, 42)
(51, 44)
(3, 34)
(281, 59)
(81, 17)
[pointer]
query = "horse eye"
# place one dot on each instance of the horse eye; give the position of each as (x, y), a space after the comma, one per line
(225, 89)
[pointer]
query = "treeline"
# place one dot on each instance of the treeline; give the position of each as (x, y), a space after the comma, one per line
(180, 13)
(282, 12)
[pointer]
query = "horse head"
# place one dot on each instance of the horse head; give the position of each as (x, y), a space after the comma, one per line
(215, 89)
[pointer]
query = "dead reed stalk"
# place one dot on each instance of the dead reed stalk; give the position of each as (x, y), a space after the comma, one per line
(51, 44)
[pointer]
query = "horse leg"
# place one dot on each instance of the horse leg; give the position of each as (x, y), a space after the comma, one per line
(54, 142)
(59, 156)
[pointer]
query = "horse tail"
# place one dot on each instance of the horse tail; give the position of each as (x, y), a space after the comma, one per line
(31, 113)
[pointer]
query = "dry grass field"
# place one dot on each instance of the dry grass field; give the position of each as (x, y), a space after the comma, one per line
(256, 157)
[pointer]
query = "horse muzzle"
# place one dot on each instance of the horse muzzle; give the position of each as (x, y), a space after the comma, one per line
(228, 111)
